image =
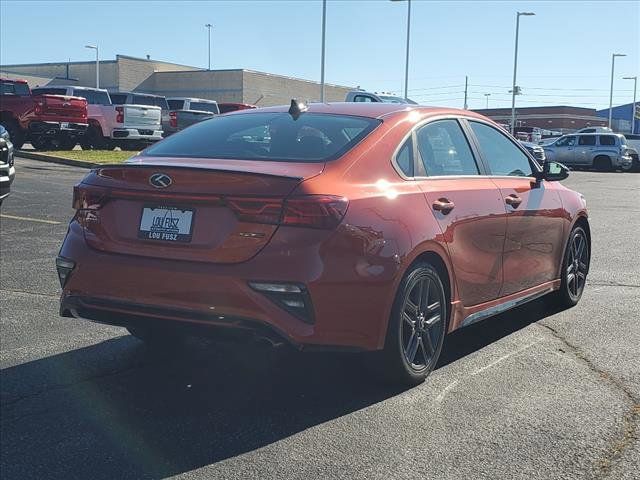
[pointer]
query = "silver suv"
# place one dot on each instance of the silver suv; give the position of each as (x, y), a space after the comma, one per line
(603, 151)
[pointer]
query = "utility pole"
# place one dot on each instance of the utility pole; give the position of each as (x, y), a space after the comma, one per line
(324, 29)
(466, 86)
(487, 95)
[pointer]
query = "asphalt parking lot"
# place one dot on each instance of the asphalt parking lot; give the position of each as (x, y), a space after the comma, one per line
(529, 394)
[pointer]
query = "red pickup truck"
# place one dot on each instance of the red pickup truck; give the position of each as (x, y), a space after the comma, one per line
(47, 121)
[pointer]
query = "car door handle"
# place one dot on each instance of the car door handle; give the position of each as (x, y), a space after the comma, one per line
(513, 200)
(443, 205)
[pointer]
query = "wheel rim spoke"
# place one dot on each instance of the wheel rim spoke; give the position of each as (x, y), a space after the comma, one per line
(412, 347)
(408, 320)
(411, 308)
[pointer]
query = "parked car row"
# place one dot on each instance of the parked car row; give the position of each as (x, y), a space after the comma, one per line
(7, 169)
(61, 116)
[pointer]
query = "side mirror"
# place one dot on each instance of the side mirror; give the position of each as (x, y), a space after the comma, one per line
(553, 172)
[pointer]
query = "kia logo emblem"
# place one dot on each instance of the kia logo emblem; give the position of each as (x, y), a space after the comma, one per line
(160, 180)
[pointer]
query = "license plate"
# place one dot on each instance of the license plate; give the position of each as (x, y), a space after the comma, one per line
(169, 224)
(64, 125)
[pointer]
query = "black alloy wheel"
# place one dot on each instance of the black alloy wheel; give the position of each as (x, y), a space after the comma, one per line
(417, 326)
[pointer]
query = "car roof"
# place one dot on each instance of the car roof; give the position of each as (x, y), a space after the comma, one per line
(74, 87)
(192, 98)
(137, 93)
(370, 109)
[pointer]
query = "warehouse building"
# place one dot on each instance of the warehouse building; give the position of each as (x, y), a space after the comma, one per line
(621, 117)
(563, 119)
(175, 80)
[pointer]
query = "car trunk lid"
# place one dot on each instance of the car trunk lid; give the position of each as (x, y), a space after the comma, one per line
(142, 116)
(218, 211)
(71, 108)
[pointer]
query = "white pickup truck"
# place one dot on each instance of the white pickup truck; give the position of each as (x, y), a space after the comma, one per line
(126, 126)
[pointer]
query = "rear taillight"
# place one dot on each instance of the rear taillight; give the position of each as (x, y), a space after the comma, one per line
(89, 197)
(39, 107)
(314, 211)
(119, 114)
(311, 211)
(173, 119)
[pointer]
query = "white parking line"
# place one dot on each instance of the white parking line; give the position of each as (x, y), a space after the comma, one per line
(453, 384)
(29, 219)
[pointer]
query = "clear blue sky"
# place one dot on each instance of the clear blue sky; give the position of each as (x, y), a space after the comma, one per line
(565, 50)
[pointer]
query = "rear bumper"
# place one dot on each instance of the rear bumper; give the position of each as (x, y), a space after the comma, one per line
(350, 312)
(136, 134)
(55, 128)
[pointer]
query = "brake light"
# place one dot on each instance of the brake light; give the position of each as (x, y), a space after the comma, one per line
(311, 211)
(315, 211)
(119, 114)
(173, 119)
(89, 197)
(39, 107)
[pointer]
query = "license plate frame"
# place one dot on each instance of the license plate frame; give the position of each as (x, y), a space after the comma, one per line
(166, 223)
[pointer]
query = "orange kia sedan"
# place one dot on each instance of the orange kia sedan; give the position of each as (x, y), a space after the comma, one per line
(344, 226)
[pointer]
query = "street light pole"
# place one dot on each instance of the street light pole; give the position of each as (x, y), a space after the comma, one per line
(613, 63)
(633, 105)
(515, 69)
(324, 29)
(486, 95)
(406, 63)
(209, 27)
(95, 47)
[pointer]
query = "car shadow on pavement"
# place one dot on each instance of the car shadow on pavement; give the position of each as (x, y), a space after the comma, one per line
(115, 410)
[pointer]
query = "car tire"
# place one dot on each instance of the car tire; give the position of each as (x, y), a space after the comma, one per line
(42, 143)
(417, 327)
(16, 134)
(575, 267)
(93, 139)
(67, 143)
(602, 163)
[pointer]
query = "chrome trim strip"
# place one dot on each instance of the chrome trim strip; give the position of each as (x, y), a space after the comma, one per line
(503, 307)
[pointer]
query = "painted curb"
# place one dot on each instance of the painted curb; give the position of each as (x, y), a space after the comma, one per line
(52, 159)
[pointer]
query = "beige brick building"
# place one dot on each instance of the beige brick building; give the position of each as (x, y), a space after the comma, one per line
(174, 80)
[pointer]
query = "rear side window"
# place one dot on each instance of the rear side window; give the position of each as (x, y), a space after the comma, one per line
(500, 153)
(444, 149)
(11, 88)
(607, 140)
(269, 136)
(587, 140)
(404, 158)
(205, 107)
(175, 104)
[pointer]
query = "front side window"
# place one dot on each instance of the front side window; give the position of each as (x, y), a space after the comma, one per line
(607, 140)
(269, 136)
(363, 98)
(569, 141)
(444, 149)
(587, 140)
(502, 156)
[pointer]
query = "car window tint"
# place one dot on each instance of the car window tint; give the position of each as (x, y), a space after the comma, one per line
(175, 104)
(11, 88)
(607, 140)
(268, 136)
(404, 158)
(500, 153)
(118, 98)
(587, 140)
(204, 107)
(569, 141)
(444, 149)
(362, 98)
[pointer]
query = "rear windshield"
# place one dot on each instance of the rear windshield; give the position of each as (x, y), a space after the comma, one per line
(175, 104)
(151, 101)
(93, 97)
(11, 88)
(49, 91)
(312, 137)
(204, 107)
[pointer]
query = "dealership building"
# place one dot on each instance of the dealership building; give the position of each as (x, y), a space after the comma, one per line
(557, 118)
(127, 73)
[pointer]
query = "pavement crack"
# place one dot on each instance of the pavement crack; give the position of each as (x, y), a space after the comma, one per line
(630, 420)
(25, 292)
